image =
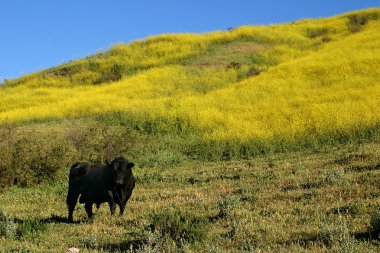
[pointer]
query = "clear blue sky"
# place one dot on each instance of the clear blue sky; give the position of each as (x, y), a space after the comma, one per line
(37, 34)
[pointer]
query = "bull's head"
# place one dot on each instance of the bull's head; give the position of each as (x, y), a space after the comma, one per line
(121, 170)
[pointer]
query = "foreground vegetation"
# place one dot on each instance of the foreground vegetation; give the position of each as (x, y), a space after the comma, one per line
(295, 202)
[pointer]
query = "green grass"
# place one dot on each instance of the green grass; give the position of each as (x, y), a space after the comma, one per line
(293, 202)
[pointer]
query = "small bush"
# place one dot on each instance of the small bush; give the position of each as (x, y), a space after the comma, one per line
(313, 33)
(246, 194)
(226, 205)
(326, 39)
(30, 157)
(111, 74)
(89, 242)
(98, 141)
(181, 227)
(234, 65)
(354, 209)
(31, 228)
(153, 242)
(375, 223)
(337, 236)
(334, 176)
(356, 22)
(253, 72)
(234, 228)
(19, 249)
(8, 227)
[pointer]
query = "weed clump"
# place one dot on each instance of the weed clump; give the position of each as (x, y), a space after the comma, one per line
(31, 228)
(8, 227)
(334, 176)
(234, 65)
(253, 72)
(226, 206)
(336, 234)
(313, 33)
(89, 242)
(357, 22)
(181, 227)
(375, 223)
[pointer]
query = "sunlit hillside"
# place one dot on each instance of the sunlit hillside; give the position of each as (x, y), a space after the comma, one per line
(254, 139)
(243, 91)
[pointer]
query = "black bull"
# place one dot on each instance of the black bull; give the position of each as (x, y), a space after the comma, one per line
(96, 184)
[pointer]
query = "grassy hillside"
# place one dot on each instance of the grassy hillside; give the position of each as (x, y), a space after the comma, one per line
(254, 88)
(256, 139)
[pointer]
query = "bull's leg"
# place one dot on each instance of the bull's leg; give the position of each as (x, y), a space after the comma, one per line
(112, 207)
(71, 200)
(122, 205)
(111, 202)
(88, 207)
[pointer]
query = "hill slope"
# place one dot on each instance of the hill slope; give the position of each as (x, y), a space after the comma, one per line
(225, 94)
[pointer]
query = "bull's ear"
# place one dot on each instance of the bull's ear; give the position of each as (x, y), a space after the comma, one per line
(108, 164)
(130, 165)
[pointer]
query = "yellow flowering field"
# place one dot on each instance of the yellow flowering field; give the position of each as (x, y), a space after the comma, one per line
(309, 80)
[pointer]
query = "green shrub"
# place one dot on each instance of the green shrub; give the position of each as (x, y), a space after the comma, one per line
(98, 141)
(326, 38)
(181, 227)
(375, 223)
(35, 156)
(111, 74)
(253, 72)
(354, 209)
(336, 234)
(31, 228)
(356, 22)
(29, 158)
(334, 176)
(313, 33)
(8, 227)
(89, 242)
(226, 205)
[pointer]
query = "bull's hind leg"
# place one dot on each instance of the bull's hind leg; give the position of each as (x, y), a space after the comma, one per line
(71, 200)
(88, 207)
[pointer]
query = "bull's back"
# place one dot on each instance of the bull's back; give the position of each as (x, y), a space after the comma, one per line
(77, 171)
(93, 185)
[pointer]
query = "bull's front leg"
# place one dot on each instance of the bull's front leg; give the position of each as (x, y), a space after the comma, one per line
(88, 207)
(111, 202)
(122, 205)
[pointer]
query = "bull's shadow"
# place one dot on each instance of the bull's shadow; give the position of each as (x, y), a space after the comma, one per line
(56, 219)
(52, 219)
